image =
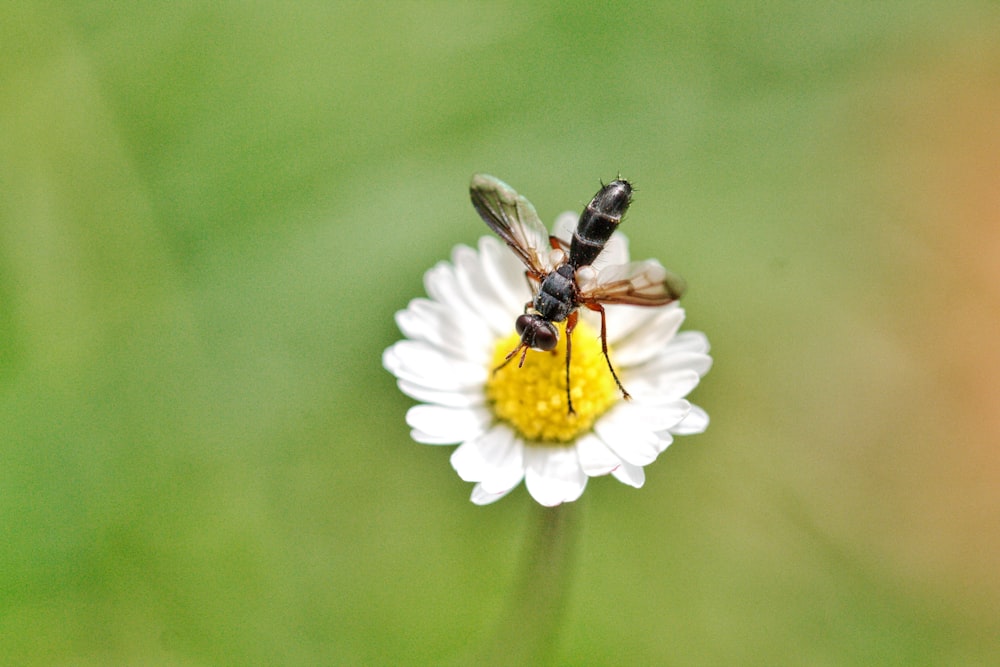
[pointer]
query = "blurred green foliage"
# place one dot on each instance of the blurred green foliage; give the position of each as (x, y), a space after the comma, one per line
(210, 212)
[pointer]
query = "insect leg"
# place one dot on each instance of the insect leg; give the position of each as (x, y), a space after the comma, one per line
(604, 348)
(570, 325)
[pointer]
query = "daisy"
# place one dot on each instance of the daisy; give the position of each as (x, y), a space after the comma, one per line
(512, 423)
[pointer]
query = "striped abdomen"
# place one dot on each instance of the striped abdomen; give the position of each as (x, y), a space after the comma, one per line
(598, 221)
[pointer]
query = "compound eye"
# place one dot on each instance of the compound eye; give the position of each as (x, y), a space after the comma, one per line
(522, 323)
(546, 337)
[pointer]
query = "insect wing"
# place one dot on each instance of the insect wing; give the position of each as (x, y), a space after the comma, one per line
(513, 218)
(644, 283)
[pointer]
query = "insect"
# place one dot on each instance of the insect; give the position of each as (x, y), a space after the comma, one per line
(562, 279)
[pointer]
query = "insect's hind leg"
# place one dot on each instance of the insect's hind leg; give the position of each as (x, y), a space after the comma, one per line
(570, 325)
(604, 348)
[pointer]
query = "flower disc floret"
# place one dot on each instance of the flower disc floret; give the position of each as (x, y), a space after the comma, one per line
(532, 398)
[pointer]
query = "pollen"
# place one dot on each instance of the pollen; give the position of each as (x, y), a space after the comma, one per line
(532, 398)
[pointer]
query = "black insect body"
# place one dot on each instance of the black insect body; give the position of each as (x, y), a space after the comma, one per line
(558, 294)
(599, 221)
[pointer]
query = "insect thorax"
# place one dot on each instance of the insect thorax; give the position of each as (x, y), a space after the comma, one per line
(556, 298)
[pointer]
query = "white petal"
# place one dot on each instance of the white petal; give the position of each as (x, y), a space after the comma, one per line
(624, 320)
(695, 422)
(586, 278)
(630, 474)
(553, 474)
(652, 414)
(635, 444)
(482, 497)
(508, 473)
(649, 337)
(565, 225)
(666, 439)
(506, 275)
(615, 252)
(481, 295)
(430, 439)
(425, 365)
(442, 285)
(494, 459)
(595, 457)
(673, 385)
(690, 341)
(465, 337)
(445, 424)
(453, 399)
(676, 359)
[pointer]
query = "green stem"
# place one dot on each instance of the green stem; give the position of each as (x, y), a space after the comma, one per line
(528, 631)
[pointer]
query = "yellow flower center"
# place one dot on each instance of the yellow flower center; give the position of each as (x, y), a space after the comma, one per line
(533, 398)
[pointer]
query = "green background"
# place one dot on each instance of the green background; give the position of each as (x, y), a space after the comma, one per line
(210, 211)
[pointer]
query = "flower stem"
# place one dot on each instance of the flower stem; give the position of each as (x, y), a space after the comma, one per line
(528, 631)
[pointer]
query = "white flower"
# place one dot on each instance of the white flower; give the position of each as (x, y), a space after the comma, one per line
(513, 424)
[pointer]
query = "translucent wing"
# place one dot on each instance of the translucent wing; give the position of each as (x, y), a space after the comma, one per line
(514, 220)
(644, 283)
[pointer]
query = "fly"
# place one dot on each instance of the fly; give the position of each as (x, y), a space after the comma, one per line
(562, 279)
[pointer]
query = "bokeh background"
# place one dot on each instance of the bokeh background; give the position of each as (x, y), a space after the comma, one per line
(210, 211)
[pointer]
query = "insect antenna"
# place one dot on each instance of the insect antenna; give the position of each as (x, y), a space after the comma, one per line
(522, 347)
